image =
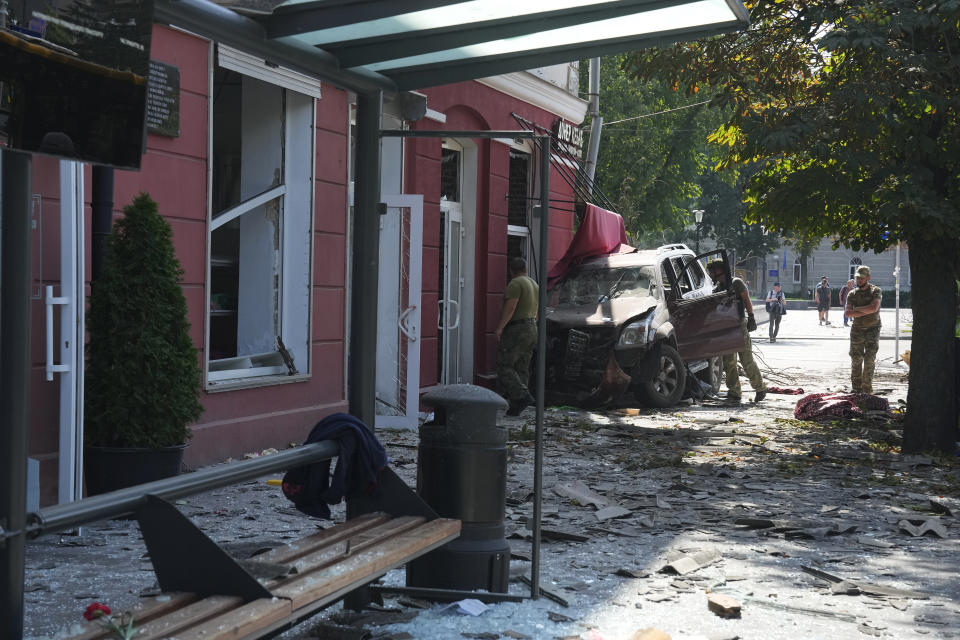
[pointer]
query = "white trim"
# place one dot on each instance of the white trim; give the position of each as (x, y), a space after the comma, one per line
(249, 65)
(436, 116)
(527, 87)
(247, 205)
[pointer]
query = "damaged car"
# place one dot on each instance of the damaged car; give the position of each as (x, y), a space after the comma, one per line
(639, 323)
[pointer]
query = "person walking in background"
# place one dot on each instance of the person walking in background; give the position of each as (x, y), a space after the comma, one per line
(517, 335)
(863, 306)
(718, 273)
(844, 291)
(823, 300)
(776, 307)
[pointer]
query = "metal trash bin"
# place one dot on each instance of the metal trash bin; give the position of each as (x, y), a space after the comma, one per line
(461, 473)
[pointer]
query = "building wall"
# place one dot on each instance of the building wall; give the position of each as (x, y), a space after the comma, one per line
(474, 106)
(174, 172)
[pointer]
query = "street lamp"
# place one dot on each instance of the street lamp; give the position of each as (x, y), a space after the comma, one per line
(698, 216)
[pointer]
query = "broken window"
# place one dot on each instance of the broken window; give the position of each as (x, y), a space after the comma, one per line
(260, 229)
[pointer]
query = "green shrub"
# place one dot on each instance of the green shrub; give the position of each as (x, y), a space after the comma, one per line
(143, 376)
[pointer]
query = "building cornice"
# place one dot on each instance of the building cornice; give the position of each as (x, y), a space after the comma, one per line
(525, 86)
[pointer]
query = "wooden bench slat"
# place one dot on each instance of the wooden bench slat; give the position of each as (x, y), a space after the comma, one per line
(190, 615)
(368, 564)
(145, 610)
(286, 553)
(334, 553)
(241, 622)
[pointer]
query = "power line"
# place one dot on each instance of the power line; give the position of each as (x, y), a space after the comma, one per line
(657, 113)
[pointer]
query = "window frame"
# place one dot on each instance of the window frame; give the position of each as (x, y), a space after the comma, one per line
(265, 369)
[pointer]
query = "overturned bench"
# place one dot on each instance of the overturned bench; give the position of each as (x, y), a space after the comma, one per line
(208, 594)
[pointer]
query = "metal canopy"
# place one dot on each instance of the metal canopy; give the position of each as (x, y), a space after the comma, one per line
(411, 44)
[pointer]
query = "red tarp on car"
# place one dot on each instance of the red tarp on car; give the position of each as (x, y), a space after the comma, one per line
(601, 233)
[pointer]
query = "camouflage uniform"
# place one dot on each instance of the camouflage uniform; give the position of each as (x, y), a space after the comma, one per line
(513, 357)
(749, 367)
(864, 339)
(746, 356)
(518, 340)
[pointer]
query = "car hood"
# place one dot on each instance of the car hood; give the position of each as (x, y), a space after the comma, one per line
(615, 312)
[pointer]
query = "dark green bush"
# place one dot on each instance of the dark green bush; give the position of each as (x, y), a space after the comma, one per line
(143, 376)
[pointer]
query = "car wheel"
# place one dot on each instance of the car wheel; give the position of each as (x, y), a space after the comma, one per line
(666, 388)
(713, 374)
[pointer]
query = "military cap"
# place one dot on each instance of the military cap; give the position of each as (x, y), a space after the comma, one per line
(863, 271)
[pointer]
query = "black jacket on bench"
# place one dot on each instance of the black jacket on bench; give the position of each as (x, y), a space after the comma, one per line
(311, 487)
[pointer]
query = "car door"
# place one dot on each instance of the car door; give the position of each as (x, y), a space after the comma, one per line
(705, 323)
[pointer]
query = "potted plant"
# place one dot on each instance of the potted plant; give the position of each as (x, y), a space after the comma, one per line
(142, 379)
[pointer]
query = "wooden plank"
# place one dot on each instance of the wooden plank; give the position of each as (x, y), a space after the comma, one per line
(241, 622)
(364, 565)
(334, 553)
(192, 614)
(286, 553)
(143, 611)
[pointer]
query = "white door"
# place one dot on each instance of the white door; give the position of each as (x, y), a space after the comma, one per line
(398, 316)
(451, 295)
(63, 305)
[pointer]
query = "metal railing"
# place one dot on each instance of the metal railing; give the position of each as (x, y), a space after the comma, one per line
(126, 501)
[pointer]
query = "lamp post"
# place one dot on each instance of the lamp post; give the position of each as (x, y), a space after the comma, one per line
(698, 216)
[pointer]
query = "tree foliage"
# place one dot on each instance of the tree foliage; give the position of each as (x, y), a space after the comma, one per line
(142, 376)
(850, 112)
(649, 166)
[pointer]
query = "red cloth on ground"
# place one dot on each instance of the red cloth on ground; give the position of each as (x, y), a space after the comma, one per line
(824, 406)
(600, 233)
(785, 390)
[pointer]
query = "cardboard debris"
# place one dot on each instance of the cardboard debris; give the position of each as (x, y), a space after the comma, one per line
(918, 528)
(723, 605)
(580, 492)
(687, 563)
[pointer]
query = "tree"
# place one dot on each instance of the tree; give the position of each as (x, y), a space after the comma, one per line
(649, 166)
(850, 110)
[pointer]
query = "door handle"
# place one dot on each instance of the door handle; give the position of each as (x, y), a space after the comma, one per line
(50, 301)
(441, 307)
(456, 307)
(409, 330)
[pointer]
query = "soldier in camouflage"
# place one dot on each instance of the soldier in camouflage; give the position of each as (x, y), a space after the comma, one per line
(517, 333)
(863, 307)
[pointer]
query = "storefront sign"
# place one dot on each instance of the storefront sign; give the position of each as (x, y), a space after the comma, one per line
(567, 138)
(163, 99)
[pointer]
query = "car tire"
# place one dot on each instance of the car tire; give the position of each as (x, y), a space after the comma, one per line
(666, 388)
(713, 374)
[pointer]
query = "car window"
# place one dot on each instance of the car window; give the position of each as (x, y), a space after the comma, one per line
(685, 286)
(585, 286)
(666, 272)
(697, 275)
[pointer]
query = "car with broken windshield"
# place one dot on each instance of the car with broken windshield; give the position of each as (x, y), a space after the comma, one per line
(646, 324)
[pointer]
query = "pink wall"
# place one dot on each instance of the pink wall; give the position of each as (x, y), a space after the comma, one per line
(473, 106)
(174, 172)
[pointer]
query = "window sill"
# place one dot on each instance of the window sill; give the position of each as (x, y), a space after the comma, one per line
(252, 383)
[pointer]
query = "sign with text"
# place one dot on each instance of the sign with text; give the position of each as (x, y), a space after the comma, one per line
(567, 138)
(163, 99)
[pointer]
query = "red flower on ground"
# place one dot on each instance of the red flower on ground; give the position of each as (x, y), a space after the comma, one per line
(96, 610)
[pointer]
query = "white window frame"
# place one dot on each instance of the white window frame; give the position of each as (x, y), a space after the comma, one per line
(261, 369)
(527, 232)
(797, 270)
(855, 261)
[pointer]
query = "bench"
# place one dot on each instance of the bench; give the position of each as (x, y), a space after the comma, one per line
(207, 595)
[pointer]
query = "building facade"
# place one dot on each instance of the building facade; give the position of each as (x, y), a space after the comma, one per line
(256, 182)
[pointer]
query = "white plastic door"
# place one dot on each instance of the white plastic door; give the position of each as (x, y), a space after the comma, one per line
(398, 316)
(450, 311)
